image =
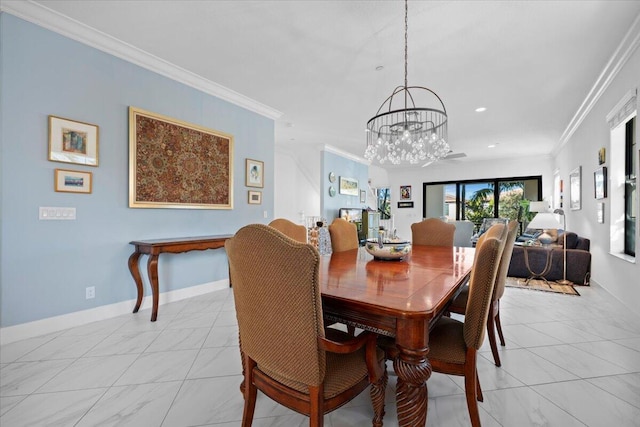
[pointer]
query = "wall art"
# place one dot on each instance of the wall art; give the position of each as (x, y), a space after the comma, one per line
(405, 192)
(600, 182)
(254, 173)
(575, 189)
(348, 186)
(71, 141)
(69, 181)
(255, 197)
(175, 164)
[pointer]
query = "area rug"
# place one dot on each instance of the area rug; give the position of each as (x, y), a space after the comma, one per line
(540, 285)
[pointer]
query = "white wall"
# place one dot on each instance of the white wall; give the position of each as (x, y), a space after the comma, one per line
(618, 276)
(297, 182)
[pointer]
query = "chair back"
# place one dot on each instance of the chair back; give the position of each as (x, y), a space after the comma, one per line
(432, 232)
(278, 303)
(295, 231)
(344, 235)
(483, 276)
(505, 260)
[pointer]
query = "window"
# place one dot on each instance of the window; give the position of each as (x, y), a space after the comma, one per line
(475, 200)
(623, 180)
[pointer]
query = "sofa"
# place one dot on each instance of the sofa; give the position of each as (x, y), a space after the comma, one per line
(578, 259)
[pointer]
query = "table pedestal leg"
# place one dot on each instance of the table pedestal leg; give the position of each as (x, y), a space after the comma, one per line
(135, 272)
(413, 370)
(152, 270)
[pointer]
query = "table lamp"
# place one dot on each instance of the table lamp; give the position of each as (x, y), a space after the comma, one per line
(545, 221)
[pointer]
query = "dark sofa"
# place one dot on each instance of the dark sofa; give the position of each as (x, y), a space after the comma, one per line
(578, 260)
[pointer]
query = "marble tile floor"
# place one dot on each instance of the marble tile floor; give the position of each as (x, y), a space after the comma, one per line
(569, 361)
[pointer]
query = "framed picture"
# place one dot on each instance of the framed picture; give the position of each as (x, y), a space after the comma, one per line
(363, 196)
(602, 156)
(254, 173)
(600, 183)
(601, 213)
(348, 186)
(175, 164)
(405, 205)
(575, 189)
(73, 142)
(255, 197)
(405, 192)
(68, 181)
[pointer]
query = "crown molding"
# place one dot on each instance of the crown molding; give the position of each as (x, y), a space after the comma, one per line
(63, 25)
(339, 152)
(625, 49)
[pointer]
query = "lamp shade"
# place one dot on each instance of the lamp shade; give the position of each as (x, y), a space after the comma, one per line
(545, 221)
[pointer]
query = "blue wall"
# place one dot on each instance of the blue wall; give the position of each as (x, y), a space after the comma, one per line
(340, 166)
(46, 265)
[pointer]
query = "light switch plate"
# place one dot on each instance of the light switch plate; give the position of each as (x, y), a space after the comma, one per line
(55, 213)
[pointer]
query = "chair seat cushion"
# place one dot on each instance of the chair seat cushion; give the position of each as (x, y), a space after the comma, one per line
(446, 341)
(343, 372)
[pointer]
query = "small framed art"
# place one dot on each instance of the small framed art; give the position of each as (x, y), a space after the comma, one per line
(601, 213)
(405, 205)
(255, 173)
(73, 142)
(68, 181)
(575, 189)
(255, 197)
(600, 182)
(363, 196)
(405, 192)
(348, 186)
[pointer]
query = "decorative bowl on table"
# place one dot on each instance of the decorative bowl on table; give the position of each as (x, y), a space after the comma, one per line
(388, 249)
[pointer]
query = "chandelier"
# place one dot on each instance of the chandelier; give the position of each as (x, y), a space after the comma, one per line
(410, 134)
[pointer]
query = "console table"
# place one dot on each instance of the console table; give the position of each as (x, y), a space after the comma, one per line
(154, 248)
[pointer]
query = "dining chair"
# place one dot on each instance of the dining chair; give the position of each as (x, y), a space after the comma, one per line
(286, 352)
(459, 305)
(454, 345)
(297, 232)
(432, 232)
(344, 235)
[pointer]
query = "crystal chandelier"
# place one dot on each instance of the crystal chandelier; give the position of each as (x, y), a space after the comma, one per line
(410, 134)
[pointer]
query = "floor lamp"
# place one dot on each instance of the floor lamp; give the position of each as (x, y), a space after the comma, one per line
(564, 280)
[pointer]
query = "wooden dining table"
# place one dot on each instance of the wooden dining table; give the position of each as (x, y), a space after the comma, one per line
(399, 299)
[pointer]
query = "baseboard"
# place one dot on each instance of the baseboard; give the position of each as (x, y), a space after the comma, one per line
(57, 323)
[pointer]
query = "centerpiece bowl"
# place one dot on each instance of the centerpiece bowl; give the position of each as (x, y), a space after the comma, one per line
(388, 249)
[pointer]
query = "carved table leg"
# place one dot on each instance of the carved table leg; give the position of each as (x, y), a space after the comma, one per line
(413, 370)
(135, 272)
(152, 270)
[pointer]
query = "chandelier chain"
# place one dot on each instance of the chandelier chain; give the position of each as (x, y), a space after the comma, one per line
(406, 50)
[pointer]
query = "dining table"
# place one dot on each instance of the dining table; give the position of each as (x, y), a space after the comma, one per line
(401, 299)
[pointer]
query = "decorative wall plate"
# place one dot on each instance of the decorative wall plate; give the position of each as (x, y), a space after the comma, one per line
(332, 177)
(332, 191)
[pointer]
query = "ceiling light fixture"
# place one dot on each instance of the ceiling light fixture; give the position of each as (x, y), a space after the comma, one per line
(410, 134)
(481, 109)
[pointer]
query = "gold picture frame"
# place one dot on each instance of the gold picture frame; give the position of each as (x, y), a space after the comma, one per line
(255, 197)
(71, 141)
(70, 181)
(175, 164)
(254, 170)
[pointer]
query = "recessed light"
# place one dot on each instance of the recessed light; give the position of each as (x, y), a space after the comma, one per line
(379, 68)
(491, 146)
(481, 109)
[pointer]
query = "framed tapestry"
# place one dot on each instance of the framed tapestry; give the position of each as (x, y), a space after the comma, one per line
(175, 164)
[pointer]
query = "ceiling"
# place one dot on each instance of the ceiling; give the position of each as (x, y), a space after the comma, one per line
(530, 63)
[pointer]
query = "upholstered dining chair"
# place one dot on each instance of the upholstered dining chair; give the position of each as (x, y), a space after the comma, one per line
(344, 235)
(297, 232)
(432, 232)
(286, 352)
(453, 345)
(459, 305)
